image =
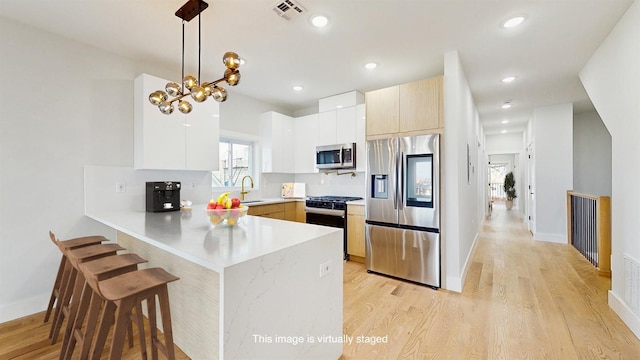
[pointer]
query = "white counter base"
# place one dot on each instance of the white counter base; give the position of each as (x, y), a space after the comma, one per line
(252, 291)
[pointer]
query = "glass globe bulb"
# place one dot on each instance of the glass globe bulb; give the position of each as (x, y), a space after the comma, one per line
(190, 82)
(208, 89)
(231, 60)
(166, 108)
(197, 93)
(232, 76)
(173, 89)
(157, 97)
(184, 106)
(219, 94)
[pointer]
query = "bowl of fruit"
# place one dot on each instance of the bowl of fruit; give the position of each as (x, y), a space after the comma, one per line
(225, 210)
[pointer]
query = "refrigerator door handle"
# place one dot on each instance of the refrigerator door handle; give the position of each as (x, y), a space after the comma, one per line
(401, 181)
(395, 190)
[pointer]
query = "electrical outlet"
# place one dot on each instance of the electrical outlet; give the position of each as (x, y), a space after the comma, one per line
(325, 268)
(121, 186)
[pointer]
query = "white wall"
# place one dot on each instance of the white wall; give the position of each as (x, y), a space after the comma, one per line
(65, 105)
(591, 155)
(460, 195)
(612, 79)
(553, 133)
(509, 143)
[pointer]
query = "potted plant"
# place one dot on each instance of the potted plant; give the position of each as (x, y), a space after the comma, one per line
(510, 189)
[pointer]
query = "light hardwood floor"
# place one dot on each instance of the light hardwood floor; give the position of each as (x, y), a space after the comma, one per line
(522, 299)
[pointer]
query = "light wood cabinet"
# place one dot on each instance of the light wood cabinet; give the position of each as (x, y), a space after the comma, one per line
(283, 211)
(301, 214)
(355, 233)
(383, 115)
(411, 108)
(421, 105)
(176, 141)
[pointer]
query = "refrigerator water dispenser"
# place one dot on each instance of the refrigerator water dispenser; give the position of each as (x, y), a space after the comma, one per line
(380, 186)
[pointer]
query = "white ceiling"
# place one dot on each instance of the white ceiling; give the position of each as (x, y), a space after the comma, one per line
(407, 38)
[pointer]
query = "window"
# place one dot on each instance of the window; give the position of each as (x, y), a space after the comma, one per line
(235, 162)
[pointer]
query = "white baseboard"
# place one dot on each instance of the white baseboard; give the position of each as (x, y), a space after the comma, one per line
(554, 238)
(455, 283)
(630, 318)
(24, 307)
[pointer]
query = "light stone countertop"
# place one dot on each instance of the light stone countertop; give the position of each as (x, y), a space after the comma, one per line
(189, 235)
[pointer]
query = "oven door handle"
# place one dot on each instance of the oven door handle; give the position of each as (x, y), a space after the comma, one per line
(322, 211)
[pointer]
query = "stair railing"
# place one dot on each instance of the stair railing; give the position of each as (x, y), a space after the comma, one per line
(589, 228)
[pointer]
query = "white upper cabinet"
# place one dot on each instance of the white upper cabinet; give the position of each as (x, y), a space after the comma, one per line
(203, 136)
(346, 125)
(277, 134)
(361, 142)
(334, 102)
(327, 127)
(306, 132)
(176, 141)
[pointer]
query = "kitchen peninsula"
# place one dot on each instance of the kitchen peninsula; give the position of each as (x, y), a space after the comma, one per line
(242, 288)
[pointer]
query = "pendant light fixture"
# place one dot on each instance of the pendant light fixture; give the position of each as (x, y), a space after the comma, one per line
(191, 85)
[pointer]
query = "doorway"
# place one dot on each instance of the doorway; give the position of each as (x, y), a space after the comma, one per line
(530, 189)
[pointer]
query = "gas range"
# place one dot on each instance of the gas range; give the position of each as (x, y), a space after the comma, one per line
(329, 211)
(330, 202)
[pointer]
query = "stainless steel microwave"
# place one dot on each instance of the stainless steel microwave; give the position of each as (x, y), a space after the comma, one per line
(339, 156)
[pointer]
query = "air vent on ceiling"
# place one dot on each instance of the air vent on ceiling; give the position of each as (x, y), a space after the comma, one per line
(288, 9)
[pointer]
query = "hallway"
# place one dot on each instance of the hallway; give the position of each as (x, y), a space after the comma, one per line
(521, 299)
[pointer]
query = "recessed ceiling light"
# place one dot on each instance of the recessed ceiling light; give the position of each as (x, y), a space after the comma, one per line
(505, 121)
(506, 105)
(371, 66)
(297, 87)
(508, 79)
(503, 131)
(513, 22)
(319, 20)
(339, 106)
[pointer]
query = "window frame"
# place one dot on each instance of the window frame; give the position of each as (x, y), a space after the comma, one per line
(254, 159)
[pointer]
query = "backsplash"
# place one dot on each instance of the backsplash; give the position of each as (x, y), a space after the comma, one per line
(331, 184)
(100, 186)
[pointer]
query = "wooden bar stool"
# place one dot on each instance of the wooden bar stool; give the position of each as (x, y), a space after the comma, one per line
(73, 285)
(122, 293)
(100, 269)
(64, 269)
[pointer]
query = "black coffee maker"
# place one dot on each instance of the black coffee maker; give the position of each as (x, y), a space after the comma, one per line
(163, 196)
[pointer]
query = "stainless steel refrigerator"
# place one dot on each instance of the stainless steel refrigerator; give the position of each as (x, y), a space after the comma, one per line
(403, 208)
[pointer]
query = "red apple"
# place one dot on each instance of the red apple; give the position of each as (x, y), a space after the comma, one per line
(211, 206)
(235, 202)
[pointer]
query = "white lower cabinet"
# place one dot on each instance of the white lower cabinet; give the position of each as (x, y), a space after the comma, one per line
(176, 141)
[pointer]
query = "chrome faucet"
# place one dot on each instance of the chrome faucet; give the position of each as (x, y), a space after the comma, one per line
(244, 192)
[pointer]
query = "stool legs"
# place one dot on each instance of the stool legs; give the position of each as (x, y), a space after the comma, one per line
(167, 347)
(55, 292)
